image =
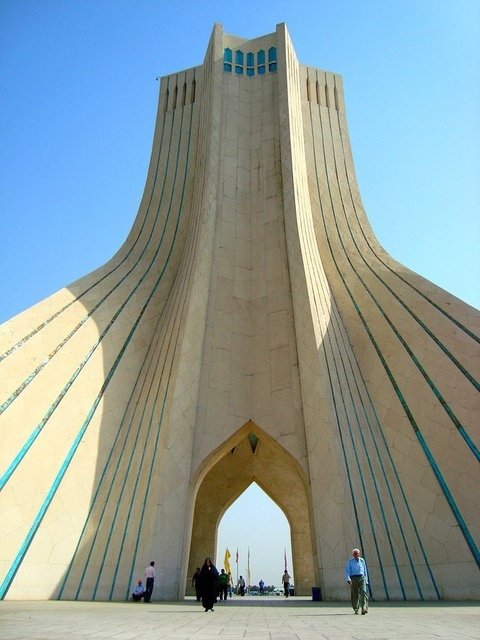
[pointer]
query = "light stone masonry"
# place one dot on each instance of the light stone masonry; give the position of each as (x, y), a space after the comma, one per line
(250, 329)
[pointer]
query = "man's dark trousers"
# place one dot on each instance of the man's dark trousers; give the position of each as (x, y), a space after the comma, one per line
(148, 589)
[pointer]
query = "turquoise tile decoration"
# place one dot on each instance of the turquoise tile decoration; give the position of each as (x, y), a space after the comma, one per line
(249, 68)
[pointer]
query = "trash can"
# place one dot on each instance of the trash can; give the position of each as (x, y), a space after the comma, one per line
(316, 594)
(291, 591)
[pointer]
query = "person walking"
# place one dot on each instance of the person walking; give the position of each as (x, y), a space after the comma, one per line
(196, 583)
(241, 586)
(208, 584)
(150, 576)
(356, 576)
(223, 585)
(286, 583)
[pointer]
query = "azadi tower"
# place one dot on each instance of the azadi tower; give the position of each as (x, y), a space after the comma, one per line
(250, 329)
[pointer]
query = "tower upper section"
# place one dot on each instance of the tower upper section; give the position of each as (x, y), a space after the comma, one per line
(251, 59)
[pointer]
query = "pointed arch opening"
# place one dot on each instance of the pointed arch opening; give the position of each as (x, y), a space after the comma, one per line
(257, 535)
(251, 455)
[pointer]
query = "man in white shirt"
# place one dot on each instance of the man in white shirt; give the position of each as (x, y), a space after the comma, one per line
(150, 576)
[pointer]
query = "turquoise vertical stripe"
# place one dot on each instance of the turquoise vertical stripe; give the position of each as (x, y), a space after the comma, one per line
(338, 270)
(456, 512)
(93, 542)
(36, 523)
(29, 442)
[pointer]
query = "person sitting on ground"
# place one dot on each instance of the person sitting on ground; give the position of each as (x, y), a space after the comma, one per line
(139, 591)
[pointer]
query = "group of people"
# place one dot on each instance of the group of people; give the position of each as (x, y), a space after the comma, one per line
(212, 585)
(145, 591)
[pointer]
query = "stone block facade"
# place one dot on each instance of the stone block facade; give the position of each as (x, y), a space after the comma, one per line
(250, 329)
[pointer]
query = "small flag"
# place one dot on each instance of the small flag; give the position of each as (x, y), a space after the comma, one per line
(285, 556)
(236, 556)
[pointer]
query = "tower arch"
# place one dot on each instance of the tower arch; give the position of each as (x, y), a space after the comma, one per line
(251, 455)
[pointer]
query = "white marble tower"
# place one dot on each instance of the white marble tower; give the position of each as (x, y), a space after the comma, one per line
(251, 328)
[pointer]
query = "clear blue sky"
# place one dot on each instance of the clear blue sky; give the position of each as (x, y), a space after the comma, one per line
(79, 97)
(259, 530)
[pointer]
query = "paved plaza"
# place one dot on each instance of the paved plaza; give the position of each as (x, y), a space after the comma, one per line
(251, 618)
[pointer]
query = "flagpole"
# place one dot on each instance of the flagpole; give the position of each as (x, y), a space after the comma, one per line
(248, 570)
(236, 560)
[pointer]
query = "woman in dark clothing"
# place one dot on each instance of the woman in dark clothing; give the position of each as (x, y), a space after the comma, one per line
(208, 584)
